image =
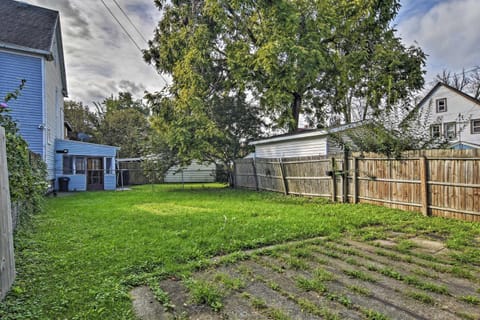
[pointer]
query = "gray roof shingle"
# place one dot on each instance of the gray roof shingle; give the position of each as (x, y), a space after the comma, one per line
(28, 26)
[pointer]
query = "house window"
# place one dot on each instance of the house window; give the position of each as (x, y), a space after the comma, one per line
(67, 165)
(436, 130)
(475, 124)
(80, 165)
(441, 105)
(450, 130)
(108, 165)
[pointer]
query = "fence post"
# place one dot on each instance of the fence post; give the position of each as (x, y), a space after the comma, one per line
(424, 185)
(355, 180)
(334, 180)
(255, 174)
(345, 177)
(7, 260)
(284, 180)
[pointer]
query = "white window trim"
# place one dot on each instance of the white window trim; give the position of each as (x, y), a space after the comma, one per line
(437, 104)
(475, 129)
(445, 130)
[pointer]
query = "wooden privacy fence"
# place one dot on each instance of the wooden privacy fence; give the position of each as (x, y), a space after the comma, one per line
(435, 182)
(7, 264)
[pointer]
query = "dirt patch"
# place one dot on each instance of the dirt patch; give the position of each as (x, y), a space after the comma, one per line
(328, 279)
(145, 305)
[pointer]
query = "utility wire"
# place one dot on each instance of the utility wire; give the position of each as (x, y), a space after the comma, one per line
(130, 37)
(121, 25)
(130, 21)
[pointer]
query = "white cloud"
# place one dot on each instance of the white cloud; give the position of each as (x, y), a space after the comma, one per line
(447, 32)
(100, 59)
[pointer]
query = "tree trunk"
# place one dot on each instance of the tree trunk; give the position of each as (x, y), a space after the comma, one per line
(296, 107)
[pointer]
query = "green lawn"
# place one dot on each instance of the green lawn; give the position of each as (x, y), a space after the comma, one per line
(79, 258)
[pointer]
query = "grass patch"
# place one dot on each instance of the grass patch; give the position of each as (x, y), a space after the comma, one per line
(204, 292)
(357, 274)
(80, 258)
(421, 296)
(471, 300)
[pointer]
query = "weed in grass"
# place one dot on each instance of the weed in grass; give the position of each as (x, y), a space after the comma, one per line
(312, 308)
(471, 299)
(161, 295)
(370, 235)
(230, 282)
(331, 254)
(360, 290)
(246, 271)
(277, 314)
(469, 255)
(424, 273)
(203, 292)
(466, 316)
(258, 303)
(297, 264)
(391, 274)
(340, 298)
(302, 253)
(311, 285)
(323, 275)
(273, 285)
(374, 315)
(233, 258)
(405, 246)
(352, 261)
(425, 285)
(461, 272)
(420, 296)
(372, 267)
(359, 275)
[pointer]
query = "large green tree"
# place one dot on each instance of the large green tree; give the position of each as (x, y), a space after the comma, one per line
(323, 58)
(81, 119)
(123, 122)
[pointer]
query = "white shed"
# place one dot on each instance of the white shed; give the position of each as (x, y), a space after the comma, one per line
(300, 144)
(195, 172)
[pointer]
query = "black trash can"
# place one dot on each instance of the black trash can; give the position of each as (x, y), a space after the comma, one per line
(63, 184)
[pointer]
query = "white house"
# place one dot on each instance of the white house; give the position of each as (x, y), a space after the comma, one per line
(452, 114)
(305, 143)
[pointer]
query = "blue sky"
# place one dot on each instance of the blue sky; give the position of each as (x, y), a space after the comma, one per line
(101, 60)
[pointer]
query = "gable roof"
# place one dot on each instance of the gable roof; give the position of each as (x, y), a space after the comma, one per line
(440, 84)
(28, 28)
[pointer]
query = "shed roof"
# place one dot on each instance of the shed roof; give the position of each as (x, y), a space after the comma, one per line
(307, 134)
(26, 26)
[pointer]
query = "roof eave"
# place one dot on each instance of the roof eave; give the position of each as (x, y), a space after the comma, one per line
(58, 35)
(9, 46)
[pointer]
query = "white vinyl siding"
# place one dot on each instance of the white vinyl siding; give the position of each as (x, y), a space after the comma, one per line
(293, 148)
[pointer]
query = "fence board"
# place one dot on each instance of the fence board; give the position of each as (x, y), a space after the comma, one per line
(7, 261)
(445, 183)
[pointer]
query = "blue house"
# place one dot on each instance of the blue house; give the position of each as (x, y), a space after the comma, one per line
(31, 49)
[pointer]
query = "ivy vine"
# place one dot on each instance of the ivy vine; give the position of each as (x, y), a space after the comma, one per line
(26, 171)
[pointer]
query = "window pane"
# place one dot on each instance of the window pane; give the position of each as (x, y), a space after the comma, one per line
(108, 167)
(475, 126)
(67, 165)
(80, 165)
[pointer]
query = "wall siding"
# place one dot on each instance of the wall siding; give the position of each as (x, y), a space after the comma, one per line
(294, 148)
(78, 182)
(53, 107)
(193, 173)
(27, 109)
(456, 104)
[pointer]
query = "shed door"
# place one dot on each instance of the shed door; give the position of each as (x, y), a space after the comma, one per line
(95, 174)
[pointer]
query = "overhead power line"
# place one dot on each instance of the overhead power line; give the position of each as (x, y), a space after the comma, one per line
(472, 69)
(130, 21)
(129, 35)
(121, 25)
